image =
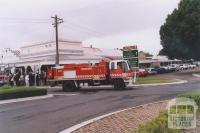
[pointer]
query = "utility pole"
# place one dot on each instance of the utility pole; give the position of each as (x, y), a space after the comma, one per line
(55, 24)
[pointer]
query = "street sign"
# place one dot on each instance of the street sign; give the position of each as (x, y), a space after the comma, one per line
(130, 53)
(134, 62)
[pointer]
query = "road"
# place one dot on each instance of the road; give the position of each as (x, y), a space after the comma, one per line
(63, 111)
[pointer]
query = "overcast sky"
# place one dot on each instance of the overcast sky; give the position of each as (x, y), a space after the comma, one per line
(101, 23)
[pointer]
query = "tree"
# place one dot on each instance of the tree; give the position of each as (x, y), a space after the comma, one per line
(180, 34)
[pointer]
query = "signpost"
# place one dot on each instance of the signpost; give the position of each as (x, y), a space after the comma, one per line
(130, 53)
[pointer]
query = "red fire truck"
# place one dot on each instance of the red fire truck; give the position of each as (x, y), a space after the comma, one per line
(115, 72)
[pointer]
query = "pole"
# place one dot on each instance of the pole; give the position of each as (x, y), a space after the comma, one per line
(35, 75)
(56, 28)
(56, 22)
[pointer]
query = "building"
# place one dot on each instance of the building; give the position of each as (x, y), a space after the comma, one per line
(44, 54)
(155, 61)
(9, 56)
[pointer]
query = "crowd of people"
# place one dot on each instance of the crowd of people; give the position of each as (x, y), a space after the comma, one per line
(27, 78)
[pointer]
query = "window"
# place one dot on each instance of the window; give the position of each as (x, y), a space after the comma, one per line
(119, 65)
(112, 65)
(124, 67)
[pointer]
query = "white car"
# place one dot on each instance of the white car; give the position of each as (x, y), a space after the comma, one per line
(192, 66)
(175, 66)
(151, 71)
(184, 66)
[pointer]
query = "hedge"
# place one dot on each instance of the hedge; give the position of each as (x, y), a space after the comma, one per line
(8, 92)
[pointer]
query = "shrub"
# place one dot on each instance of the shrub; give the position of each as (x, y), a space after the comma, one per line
(8, 92)
(192, 95)
(157, 125)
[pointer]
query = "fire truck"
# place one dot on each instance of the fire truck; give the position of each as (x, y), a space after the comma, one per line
(118, 73)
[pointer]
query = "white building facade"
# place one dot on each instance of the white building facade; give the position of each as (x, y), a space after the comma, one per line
(45, 54)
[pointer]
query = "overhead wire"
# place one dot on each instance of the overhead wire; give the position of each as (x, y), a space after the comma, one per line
(67, 24)
(23, 20)
(83, 27)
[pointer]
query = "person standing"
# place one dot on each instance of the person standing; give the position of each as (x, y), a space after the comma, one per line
(27, 80)
(10, 78)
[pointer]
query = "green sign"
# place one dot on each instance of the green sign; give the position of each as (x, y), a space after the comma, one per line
(130, 54)
(134, 62)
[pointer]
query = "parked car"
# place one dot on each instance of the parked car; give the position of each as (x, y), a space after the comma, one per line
(3, 79)
(197, 63)
(184, 66)
(160, 70)
(166, 69)
(176, 66)
(151, 71)
(191, 66)
(143, 73)
(172, 68)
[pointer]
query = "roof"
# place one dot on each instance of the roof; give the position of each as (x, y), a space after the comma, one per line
(47, 42)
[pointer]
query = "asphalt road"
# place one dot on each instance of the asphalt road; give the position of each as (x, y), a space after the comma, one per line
(60, 112)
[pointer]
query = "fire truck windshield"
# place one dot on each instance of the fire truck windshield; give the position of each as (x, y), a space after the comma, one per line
(129, 65)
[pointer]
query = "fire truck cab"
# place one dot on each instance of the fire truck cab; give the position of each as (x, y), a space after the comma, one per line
(72, 76)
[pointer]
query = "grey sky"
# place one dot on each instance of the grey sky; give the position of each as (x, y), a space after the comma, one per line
(102, 23)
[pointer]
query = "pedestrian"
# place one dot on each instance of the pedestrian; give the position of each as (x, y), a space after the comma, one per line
(31, 79)
(10, 79)
(27, 80)
(42, 78)
(14, 78)
(37, 79)
(22, 80)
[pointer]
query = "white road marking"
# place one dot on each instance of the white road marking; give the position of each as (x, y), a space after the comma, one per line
(159, 84)
(59, 94)
(196, 75)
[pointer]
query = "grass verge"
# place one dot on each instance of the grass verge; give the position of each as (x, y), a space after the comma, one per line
(8, 92)
(160, 123)
(154, 80)
(157, 125)
(195, 95)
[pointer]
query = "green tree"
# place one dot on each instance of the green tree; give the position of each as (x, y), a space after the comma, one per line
(180, 34)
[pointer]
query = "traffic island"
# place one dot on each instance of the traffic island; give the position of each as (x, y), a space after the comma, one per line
(160, 123)
(121, 121)
(148, 118)
(8, 92)
(196, 75)
(155, 80)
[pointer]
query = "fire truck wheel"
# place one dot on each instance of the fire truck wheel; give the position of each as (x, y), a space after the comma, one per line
(118, 84)
(68, 86)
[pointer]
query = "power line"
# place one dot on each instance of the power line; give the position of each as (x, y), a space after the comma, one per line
(83, 27)
(79, 27)
(72, 28)
(7, 18)
(23, 20)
